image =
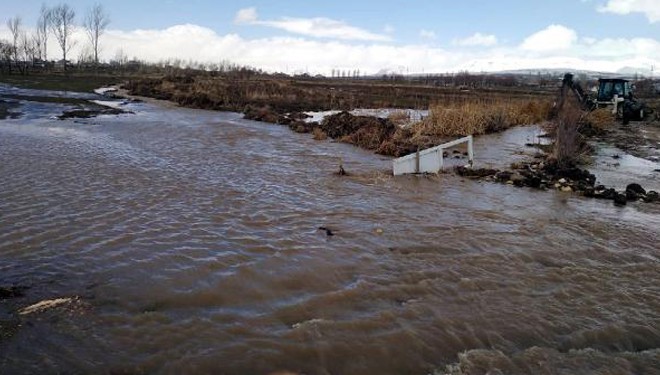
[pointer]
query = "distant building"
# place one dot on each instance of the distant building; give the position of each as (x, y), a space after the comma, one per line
(60, 64)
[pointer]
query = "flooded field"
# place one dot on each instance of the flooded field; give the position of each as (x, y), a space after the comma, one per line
(191, 239)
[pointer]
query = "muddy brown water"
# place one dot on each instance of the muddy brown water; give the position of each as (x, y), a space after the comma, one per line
(191, 238)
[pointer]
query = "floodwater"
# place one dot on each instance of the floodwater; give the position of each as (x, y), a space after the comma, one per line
(191, 240)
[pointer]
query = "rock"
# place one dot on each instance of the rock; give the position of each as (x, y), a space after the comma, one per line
(533, 181)
(300, 126)
(479, 172)
(518, 181)
(11, 292)
(651, 196)
(283, 120)
(264, 114)
(605, 193)
(637, 188)
(562, 181)
(503, 176)
(299, 116)
(580, 186)
(620, 199)
(635, 192)
(589, 192)
(566, 189)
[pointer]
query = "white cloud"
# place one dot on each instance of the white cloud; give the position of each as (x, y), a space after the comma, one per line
(552, 38)
(290, 54)
(650, 8)
(247, 15)
(478, 39)
(427, 34)
(318, 27)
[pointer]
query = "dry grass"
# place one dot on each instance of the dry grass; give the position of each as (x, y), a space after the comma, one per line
(399, 118)
(569, 145)
(480, 117)
(319, 135)
(599, 120)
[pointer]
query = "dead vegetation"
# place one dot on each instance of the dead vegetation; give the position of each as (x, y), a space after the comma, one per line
(319, 135)
(399, 118)
(597, 122)
(367, 132)
(569, 143)
(235, 92)
(474, 117)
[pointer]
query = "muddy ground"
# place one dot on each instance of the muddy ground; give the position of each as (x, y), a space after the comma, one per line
(638, 138)
(11, 106)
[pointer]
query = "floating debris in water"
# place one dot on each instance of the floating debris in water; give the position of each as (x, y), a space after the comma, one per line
(46, 305)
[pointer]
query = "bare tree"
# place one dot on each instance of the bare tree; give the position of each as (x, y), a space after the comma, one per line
(62, 17)
(14, 26)
(28, 51)
(6, 52)
(43, 23)
(96, 22)
(120, 57)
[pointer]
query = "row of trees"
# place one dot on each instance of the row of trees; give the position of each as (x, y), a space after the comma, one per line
(26, 49)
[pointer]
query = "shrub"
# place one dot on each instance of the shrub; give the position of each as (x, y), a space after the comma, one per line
(569, 146)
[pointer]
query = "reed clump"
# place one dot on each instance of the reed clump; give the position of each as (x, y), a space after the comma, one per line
(474, 117)
(597, 122)
(569, 147)
(399, 118)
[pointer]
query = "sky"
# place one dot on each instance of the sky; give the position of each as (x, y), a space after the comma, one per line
(423, 36)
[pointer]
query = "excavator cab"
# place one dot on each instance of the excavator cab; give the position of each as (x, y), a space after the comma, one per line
(608, 88)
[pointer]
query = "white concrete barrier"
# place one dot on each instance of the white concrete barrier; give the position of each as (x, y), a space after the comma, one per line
(430, 160)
